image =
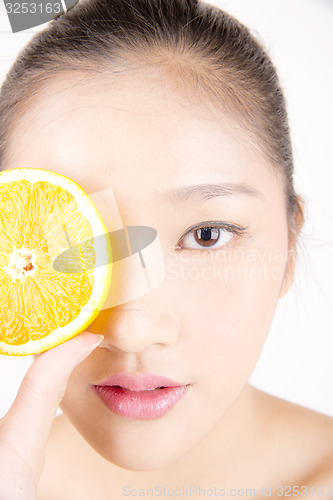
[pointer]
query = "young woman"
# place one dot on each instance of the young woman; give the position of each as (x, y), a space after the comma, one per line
(176, 107)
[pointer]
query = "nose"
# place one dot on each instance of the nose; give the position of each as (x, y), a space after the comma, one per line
(139, 324)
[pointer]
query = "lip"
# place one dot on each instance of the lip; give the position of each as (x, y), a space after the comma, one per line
(139, 382)
(139, 396)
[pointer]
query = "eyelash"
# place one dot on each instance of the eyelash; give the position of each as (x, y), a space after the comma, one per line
(224, 226)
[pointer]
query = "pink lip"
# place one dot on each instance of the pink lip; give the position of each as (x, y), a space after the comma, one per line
(141, 382)
(139, 396)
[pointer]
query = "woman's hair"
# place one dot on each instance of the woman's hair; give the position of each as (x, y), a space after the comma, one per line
(209, 50)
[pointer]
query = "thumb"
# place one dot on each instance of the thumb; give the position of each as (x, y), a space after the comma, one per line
(26, 426)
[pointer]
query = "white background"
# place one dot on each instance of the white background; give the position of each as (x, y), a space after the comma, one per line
(297, 361)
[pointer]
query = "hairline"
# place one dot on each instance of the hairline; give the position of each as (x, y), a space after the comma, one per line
(214, 102)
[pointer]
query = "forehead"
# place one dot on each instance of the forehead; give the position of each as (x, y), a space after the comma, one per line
(104, 131)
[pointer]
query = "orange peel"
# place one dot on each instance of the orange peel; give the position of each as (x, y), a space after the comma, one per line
(45, 219)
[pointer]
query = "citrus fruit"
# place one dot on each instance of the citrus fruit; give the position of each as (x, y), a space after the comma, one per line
(55, 260)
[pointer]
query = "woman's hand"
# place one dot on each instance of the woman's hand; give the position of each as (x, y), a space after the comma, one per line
(25, 428)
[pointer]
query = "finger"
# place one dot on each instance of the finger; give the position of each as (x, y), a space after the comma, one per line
(26, 426)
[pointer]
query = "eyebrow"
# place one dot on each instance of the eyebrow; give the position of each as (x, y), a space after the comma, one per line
(207, 191)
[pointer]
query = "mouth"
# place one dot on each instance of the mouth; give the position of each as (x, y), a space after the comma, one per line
(141, 405)
(140, 396)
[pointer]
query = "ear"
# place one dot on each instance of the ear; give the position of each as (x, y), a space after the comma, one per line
(289, 273)
(295, 228)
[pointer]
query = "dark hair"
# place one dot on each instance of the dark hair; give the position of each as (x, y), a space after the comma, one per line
(213, 51)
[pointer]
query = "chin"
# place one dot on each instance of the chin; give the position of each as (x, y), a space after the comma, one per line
(137, 448)
(138, 461)
(140, 445)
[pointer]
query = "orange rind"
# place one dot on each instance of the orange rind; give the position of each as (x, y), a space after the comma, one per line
(55, 260)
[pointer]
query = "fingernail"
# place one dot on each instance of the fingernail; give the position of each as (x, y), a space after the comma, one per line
(88, 350)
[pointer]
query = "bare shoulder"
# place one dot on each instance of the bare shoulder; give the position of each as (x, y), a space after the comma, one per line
(303, 437)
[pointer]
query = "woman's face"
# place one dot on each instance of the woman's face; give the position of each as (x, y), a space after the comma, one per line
(204, 326)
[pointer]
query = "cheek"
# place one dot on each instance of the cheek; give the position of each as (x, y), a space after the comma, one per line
(226, 317)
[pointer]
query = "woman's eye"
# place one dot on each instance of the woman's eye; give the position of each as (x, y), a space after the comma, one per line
(207, 237)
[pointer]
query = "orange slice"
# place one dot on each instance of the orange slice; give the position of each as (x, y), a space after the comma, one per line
(55, 260)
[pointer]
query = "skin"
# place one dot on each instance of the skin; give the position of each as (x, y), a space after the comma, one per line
(140, 137)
